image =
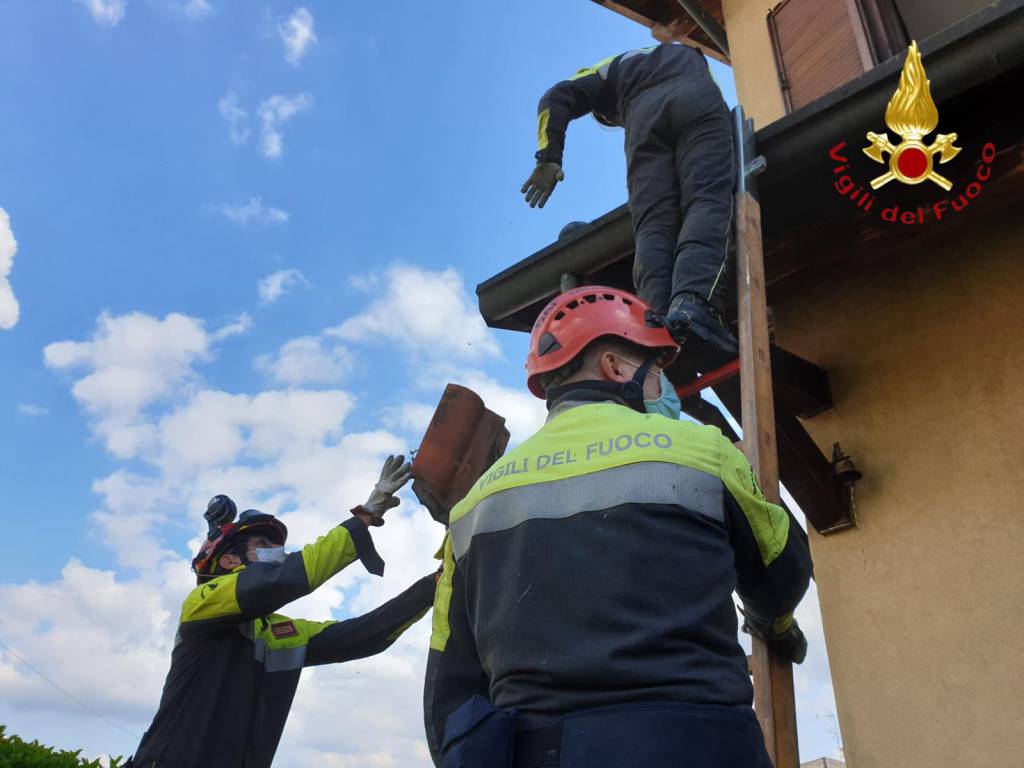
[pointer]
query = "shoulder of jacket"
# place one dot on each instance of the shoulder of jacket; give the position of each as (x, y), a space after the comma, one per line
(215, 586)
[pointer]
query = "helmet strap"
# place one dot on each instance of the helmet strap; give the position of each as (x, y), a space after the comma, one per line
(629, 393)
(633, 390)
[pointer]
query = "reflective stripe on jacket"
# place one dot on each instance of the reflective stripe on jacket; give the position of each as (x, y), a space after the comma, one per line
(595, 564)
(236, 663)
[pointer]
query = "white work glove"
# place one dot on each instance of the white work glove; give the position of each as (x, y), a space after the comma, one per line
(395, 473)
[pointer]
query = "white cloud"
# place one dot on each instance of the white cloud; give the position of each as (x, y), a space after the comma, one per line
(275, 112)
(9, 310)
(31, 409)
(242, 325)
(107, 13)
(365, 283)
(123, 628)
(428, 314)
(524, 414)
(270, 425)
(254, 211)
(305, 361)
(236, 117)
(412, 418)
(134, 360)
(297, 34)
(197, 9)
(275, 285)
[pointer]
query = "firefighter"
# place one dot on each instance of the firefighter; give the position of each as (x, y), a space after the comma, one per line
(584, 615)
(236, 661)
(679, 175)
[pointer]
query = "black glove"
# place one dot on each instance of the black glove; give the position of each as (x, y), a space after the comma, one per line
(541, 184)
(791, 643)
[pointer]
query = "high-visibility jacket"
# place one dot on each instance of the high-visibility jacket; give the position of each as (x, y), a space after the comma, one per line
(595, 563)
(236, 662)
(606, 90)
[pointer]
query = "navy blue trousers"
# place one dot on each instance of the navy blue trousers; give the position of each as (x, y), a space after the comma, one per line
(652, 735)
(679, 171)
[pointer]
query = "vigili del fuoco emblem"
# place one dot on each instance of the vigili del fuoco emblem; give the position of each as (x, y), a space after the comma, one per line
(912, 115)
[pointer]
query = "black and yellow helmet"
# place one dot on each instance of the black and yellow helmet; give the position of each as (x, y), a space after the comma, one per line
(224, 532)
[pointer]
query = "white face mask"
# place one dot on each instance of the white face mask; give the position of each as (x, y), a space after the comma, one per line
(269, 555)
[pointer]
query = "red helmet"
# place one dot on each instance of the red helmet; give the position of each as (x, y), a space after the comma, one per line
(252, 521)
(575, 318)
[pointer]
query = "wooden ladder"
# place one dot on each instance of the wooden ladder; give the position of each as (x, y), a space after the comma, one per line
(774, 701)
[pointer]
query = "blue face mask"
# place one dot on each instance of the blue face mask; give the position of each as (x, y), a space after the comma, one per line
(269, 555)
(668, 404)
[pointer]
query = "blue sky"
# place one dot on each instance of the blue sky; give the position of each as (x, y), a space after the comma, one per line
(247, 238)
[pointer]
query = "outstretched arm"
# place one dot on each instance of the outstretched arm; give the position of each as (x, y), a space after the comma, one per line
(262, 588)
(564, 101)
(373, 632)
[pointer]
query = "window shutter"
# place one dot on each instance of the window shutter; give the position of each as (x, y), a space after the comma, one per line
(819, 45)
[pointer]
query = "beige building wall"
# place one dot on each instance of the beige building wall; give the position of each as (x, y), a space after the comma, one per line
(922, 603)
(753, 60)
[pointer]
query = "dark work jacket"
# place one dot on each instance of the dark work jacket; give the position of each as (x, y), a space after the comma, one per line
(607, 88)
(594, 565)
(236, 663)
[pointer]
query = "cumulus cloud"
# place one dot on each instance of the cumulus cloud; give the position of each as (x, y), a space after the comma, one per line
(236, 117)
(133, 361)
(428, 314)
(273, 113)
(411, 418)
(238, 427)
(107, 13)
(254, 211)
(305, 360)
(9, 310)
(31, 409)
(524, 414)
(296, 32)
(197, 9)
(275, 285)
(90, 614)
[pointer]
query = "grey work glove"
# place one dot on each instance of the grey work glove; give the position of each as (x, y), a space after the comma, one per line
(395, 473)
(791, 643)
(541, 184)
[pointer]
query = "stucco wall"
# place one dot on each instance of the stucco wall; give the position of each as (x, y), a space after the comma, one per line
(922, 603)
(753, 60)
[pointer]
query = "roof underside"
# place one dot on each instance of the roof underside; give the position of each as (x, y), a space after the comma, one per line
(672, 15)
(976, 69)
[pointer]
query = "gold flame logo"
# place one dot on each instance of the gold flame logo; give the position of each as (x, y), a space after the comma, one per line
(912, 115)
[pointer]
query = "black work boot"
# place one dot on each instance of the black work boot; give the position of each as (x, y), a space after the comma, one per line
(701, 332)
